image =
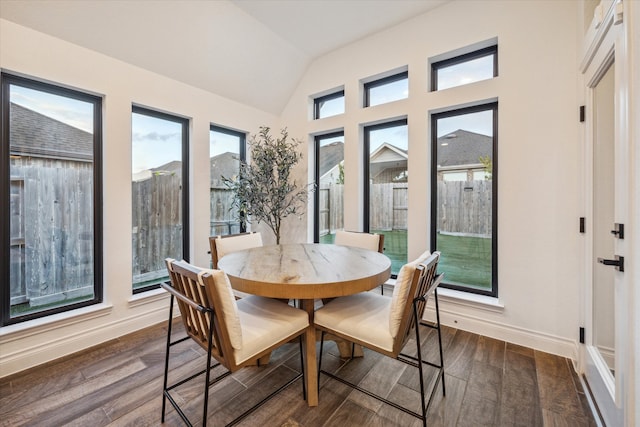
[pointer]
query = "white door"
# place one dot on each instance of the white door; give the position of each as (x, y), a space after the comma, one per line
(605, 350)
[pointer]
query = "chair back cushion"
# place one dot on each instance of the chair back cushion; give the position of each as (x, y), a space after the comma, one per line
(224, 293)
(237, 243)
(400, 296)
(357, 240)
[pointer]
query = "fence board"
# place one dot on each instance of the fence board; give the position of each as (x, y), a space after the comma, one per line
(56, 261)
(465, 207)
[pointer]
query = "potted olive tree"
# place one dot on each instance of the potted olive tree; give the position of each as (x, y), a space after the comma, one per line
(264, 190)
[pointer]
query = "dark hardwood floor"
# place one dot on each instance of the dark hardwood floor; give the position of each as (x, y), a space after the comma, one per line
(488, 383)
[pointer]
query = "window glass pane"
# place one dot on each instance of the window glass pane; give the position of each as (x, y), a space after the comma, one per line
(388, 189)
(465, 72)
(463, 202)
(388, 92)
(225, 148)
(157, 145)
(330, 187)
(330, 105)
(51, 186)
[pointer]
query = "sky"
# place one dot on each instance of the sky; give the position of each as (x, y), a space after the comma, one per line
(156, 141)
(78, 114)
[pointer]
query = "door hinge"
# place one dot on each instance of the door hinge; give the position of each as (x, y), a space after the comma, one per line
(582, 113)
(581, 335)
(618, 230)
(582, 224)
(618, 13)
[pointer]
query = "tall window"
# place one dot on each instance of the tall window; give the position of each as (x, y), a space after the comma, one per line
(328, 105)
(387, 89)
(160, 193)
(460, 70)
(464, 197)
(329, 176)
(386, 150)
(227, 149)
(50, 196)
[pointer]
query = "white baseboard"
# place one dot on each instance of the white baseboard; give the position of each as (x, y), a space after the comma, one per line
(50, 349)
(525, 337)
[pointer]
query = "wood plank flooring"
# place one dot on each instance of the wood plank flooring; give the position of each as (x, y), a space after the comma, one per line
(119, 383)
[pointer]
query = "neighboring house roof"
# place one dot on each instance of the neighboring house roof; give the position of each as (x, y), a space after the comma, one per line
(387, 156)
(34, 134)
(330, 156)
(463, 148)
(225, 164)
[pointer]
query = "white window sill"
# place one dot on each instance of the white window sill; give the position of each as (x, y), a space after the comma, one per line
(55, 321)
(467, 299)
(148, 297)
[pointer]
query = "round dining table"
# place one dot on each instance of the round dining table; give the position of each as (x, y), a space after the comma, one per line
(306, 272)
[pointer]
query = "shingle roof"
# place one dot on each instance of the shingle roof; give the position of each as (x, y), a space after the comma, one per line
(463, 148)
(331, 155)
(225, 164)
(34, 134)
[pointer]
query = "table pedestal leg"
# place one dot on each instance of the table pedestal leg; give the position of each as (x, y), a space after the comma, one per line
(310, 355)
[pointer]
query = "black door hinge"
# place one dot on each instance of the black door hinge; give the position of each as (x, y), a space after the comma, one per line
(581, 335)
(582, 224)
(582, 114)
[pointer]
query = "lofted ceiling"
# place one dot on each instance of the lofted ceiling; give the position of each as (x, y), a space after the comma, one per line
(250, 51)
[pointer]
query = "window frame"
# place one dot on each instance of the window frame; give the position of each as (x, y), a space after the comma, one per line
(317, 101)
(366, 145)
(490, 106)
(366, 87)
(6, 80)
(137, 109)
(460, 59)
(316, 177)
(242, 136)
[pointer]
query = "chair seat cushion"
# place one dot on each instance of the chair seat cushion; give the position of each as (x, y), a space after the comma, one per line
(364, 316)
(227, 245)
(264, 322)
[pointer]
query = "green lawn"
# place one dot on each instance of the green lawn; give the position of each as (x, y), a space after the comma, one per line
(464, 260)
(395, 247)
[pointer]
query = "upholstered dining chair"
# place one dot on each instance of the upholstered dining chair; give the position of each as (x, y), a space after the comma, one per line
(234, 333)
(384, 325)
(358, 239)
(222, 245)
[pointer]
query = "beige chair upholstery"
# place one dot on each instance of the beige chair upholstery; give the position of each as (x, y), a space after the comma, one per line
(384, 325)
(373, 242)
(222, 245)
(356, 239)
(236, 333)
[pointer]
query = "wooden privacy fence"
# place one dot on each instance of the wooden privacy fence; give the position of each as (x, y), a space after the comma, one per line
(223, 218)
(51, 208)
(464, 207)
(52, 232)
(331, 208)
(157, 225)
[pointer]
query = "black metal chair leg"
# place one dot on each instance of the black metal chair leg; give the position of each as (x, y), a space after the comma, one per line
(420, 373)
(320, 358)
(435, 295)
(166, 360)
(304, 386)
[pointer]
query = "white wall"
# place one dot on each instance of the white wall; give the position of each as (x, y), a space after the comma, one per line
(40, 56)
(538, 162)
(538, 143)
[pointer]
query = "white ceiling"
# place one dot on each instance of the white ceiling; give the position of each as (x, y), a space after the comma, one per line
(251, 51)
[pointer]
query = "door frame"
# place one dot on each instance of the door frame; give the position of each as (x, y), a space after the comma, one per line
(609, 38)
